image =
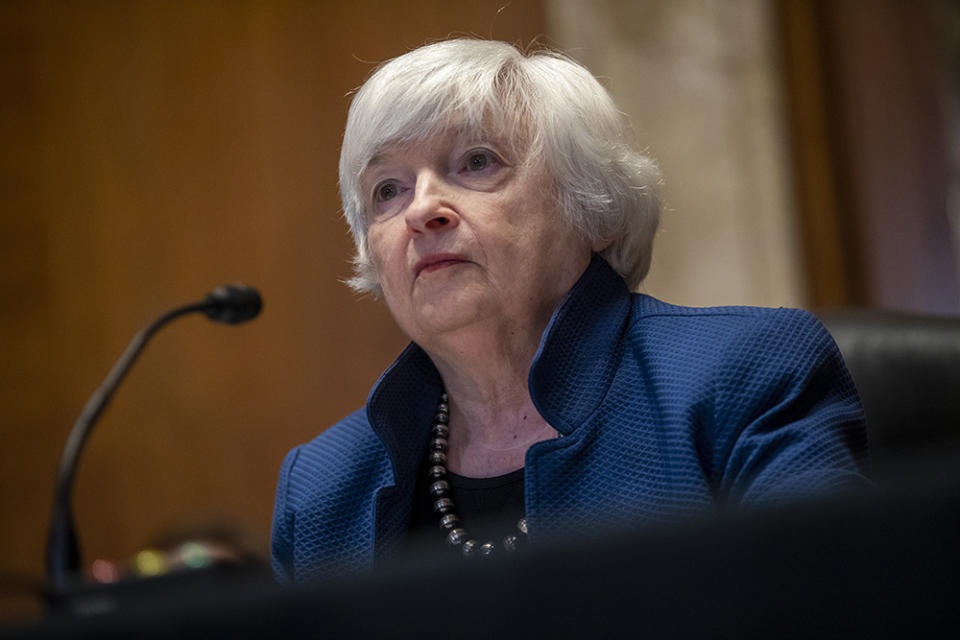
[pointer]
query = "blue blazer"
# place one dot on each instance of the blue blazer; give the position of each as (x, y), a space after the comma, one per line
(662, 411)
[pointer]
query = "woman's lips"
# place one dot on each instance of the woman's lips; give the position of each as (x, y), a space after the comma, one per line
(436, 262)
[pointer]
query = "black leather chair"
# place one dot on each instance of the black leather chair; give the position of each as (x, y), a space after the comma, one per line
(907, 370)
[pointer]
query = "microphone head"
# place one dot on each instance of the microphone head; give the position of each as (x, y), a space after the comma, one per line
(233, 303)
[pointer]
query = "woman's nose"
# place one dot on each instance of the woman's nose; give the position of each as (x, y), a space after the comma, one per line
(431, 208)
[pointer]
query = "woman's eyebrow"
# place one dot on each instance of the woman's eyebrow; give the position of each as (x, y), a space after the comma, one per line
(376, 160)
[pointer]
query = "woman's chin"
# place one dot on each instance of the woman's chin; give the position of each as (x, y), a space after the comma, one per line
(437, 320)
(441, 312)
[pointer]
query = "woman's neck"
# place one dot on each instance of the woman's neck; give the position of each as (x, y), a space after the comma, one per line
(493, 420)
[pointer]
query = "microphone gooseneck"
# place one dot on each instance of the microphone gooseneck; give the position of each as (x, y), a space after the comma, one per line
(232, 304)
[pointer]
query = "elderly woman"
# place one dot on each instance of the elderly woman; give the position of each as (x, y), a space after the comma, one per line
(501, 212)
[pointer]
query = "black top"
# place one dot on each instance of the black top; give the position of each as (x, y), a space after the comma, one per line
(489, 509)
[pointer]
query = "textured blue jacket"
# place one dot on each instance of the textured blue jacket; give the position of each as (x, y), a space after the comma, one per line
(662, 410)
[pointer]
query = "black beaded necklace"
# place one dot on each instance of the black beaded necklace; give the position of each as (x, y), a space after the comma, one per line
(443, 506)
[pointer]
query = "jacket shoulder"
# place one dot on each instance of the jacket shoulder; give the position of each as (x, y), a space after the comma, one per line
(759, 329)
(750, 349)
(648, 306)
(348, 445)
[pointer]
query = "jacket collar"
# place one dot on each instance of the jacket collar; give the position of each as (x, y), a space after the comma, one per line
(571, 372)
(580, 349)
(400, 409)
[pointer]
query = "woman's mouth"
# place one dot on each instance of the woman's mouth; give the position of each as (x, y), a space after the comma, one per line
(436, 262)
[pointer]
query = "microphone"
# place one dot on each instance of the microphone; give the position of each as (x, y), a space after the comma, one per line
(231, 304)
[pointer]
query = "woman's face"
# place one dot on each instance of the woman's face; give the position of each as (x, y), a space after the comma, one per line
(464, 235)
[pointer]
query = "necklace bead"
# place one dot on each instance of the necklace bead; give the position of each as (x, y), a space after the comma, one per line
(443, 506)
(439, 489)
(456, 536)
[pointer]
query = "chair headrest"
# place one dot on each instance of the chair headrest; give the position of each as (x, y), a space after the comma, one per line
(907, 370)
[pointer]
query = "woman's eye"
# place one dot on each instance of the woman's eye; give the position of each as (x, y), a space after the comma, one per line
(479, 159)
(385, 191)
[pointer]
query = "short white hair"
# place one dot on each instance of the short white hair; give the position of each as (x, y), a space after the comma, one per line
(606, 189)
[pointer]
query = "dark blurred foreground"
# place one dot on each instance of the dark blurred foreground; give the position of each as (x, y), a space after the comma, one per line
(886, 565)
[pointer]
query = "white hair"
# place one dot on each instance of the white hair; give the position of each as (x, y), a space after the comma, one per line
(606, 189)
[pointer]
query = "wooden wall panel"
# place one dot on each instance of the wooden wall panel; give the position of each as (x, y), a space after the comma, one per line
(830, 251)
(701, 85)
(151, 151)
(868, 88)
(888, 74)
